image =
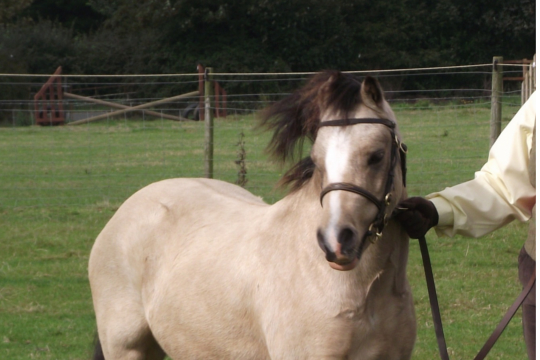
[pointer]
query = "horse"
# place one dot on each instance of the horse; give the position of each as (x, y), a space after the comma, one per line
(202, 269)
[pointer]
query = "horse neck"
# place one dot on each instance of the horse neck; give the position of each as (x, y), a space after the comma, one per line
(299, 214)
(301, 208)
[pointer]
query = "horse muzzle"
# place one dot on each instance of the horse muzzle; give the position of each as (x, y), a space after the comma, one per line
(346, 251)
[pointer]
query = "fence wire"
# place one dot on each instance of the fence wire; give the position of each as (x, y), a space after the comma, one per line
(446, 129)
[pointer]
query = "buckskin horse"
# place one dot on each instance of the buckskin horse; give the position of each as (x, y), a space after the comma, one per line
(203, 269)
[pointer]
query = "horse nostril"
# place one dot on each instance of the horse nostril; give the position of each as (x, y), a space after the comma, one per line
(330, 255)
(347, 239)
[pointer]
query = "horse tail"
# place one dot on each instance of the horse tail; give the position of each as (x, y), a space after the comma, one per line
(98, 351)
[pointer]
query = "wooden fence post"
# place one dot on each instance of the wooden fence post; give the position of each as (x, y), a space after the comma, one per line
(200, 70)
(528, 86)
(533, 72)
(208, 125)
(525, 82)
(496, 93)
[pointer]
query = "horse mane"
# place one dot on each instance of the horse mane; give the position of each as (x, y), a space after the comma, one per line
(296, 118)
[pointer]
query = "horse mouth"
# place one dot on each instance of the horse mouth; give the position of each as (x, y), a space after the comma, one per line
(344, 265)
(345, 256)
(350, 260)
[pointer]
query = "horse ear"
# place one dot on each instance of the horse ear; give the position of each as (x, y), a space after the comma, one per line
(323, 93)
(371, 92)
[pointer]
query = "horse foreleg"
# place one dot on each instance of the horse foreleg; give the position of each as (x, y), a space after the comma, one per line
(98, 351)
(145, 349)
(124, 333)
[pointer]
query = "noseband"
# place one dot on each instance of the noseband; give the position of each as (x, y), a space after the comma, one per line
(380, 221)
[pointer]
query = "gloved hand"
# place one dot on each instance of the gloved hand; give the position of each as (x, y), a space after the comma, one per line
(417, 215)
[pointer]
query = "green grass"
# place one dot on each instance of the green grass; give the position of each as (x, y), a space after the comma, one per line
(59, 186)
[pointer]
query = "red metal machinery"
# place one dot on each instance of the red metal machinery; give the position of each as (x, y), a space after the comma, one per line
(48, 104)
(221, 100)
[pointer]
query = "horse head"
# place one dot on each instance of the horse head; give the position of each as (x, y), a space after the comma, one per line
(356, 158)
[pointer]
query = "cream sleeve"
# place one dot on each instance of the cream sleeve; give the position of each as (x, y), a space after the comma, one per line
(500, 192)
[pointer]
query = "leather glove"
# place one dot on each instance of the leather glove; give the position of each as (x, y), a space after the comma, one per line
(417, 215)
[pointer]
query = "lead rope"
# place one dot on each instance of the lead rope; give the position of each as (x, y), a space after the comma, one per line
(435, 311)
(436, 314)
(506, 319)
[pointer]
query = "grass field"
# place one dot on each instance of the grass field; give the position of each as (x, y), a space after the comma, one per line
(59, 186)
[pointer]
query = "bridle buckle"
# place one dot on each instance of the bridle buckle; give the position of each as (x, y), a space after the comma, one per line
(374, 235)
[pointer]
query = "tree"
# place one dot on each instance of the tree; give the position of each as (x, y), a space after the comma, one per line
(11, 8)
(276, 35)
(73, 14)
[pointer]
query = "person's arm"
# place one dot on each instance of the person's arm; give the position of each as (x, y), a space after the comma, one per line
(500, 192)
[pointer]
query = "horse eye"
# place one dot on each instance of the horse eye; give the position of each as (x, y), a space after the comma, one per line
(376, 158)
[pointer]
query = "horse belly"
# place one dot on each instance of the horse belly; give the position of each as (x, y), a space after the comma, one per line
(192, 336)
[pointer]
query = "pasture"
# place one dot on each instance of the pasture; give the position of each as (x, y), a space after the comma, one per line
(60, 185)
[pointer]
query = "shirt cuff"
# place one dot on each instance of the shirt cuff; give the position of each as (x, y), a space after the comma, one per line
(446, 213)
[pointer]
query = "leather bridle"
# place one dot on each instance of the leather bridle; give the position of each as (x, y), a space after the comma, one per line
(398, 150)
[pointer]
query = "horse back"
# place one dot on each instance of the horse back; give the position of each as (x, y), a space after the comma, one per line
(170, 215)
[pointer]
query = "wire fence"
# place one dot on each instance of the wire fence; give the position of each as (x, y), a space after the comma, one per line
(446, 129)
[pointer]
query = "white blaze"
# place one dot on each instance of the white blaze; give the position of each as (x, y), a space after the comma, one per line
(336, 163)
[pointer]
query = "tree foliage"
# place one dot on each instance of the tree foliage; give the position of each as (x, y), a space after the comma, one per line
(73, 14)
(11, 8)
(141, 36)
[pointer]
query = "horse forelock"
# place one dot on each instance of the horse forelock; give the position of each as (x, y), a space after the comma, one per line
(340, 94)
